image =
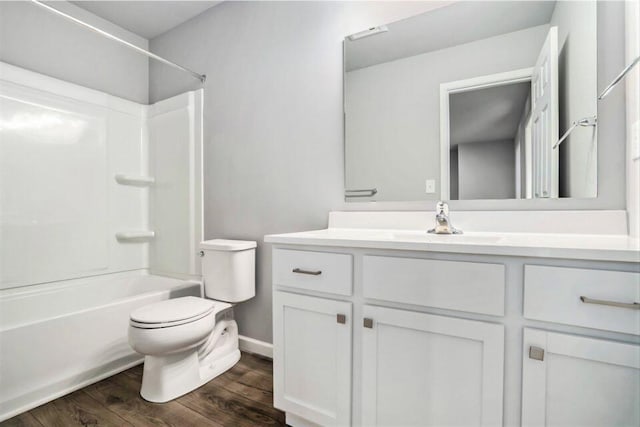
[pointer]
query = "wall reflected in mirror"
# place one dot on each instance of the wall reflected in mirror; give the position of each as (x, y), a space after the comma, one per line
(470, 100)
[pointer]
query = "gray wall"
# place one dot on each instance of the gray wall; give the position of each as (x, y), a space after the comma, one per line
(577, 56)
(486, 170)
(393, 111)
(273, 119)
(273, 131)
(36, 39)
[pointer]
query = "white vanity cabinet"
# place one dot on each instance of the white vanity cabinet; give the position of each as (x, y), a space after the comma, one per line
(312, 357)
(369, 336)
(424, 370)
(572, 380)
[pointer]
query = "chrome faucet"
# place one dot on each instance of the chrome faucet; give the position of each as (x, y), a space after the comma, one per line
(443, 223)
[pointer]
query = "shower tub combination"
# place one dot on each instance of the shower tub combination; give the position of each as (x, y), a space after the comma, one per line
(57, 340)
(114, 210)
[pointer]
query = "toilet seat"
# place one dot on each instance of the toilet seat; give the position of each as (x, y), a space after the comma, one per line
(172, 312)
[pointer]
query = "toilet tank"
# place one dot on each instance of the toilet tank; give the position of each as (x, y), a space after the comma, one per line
(228, 269)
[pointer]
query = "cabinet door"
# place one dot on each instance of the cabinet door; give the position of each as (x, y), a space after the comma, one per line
(426, 370)
(577, 381)
(312, 358)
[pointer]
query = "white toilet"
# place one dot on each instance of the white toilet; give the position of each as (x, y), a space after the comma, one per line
(189, 341)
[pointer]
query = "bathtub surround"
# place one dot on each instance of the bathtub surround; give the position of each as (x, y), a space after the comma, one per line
(93, 138)
(79, 267)
(34, 39)
(77, 139)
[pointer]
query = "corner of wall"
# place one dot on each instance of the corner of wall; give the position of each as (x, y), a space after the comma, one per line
(632, 27)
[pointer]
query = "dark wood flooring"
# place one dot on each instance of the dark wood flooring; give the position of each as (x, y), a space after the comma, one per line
(242, 396)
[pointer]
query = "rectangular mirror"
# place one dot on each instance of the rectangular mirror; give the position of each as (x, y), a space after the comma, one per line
(473, 101)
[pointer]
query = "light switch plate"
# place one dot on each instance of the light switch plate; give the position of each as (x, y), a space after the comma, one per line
(430, 186)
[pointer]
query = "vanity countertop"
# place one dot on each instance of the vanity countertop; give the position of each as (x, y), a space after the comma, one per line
(566, 246)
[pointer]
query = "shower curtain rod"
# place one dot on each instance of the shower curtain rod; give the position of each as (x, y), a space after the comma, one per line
(152, 55)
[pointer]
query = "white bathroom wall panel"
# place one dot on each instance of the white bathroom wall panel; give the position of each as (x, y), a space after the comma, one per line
(175, 139)
(61, 145)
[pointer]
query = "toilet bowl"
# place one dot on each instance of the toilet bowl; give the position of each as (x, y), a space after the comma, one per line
(188, 341)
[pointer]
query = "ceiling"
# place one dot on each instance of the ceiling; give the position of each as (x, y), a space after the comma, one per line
(489, 114)
(448, 26)
(148, 19)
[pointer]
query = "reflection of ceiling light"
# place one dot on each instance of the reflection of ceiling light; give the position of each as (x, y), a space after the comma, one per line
(370, 32)
(46, 127)
(32, 121)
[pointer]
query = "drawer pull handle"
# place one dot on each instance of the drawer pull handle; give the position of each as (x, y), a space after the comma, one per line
(341, 318)
(367, 323)
(313, 273)
(632, 305)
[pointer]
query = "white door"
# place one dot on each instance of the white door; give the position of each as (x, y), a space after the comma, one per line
(528, 153)
(426, 370)
(544, 113)
(579, 381)
(312, 358)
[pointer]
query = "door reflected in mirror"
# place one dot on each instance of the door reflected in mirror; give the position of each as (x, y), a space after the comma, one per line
(474, 100)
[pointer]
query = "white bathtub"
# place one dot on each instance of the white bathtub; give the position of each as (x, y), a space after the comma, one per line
(60, 337)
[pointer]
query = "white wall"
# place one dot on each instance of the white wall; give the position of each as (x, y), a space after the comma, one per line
(273, 146)
(36, 39)
(486, 170)
(577, 46)
(392, 131)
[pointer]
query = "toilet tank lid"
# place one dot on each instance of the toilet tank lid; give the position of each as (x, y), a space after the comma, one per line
(227, 245)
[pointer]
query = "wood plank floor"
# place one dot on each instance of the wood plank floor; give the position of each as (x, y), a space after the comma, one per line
(242, 396)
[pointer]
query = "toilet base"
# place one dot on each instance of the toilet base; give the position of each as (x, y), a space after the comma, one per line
(170, 376)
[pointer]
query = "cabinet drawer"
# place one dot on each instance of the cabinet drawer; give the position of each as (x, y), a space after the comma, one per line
(553, 294)
(455, 285)
(316, 271)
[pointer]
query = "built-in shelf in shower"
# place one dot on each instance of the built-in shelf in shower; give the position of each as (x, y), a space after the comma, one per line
(135, 235)
(134, 180)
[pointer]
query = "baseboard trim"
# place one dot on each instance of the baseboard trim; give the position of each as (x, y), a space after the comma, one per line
(252, 345)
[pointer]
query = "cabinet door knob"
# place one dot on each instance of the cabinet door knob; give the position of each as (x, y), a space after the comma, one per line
(536, 353)
(368, 323)
(341, 318)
